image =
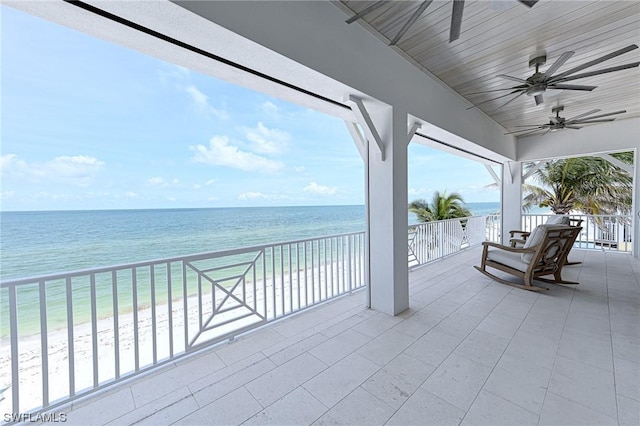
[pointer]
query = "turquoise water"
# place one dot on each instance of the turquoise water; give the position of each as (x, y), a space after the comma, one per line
(39, 243)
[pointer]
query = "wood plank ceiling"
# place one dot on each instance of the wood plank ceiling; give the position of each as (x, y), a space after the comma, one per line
(499, 37)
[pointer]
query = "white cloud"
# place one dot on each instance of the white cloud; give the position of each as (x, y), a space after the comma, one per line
(314, 188)
(160, 182)
(7, 194)
(267, 141)
(156, 181)
(210, 182)
(221, 153)
(197, 186)
(9, 162)
(80, 167)
(175, 75)
(417, 191)
(270, 109)
(202, 103)
(131, 194)
(260, 195)
(75, 169)
(300, 169)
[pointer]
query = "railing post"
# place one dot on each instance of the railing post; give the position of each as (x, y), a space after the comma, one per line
(349, 267)
(13, 330)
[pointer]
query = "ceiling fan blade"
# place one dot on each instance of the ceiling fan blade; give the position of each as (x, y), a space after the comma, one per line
(602, 71)
(456, 20)
(539, 99)
(559, 62)
(508, 77)
(606, 120)
(529, 3)
(509, 101)
(367, 10)
(494, 99)
(597, 61)
(529, 125)
(593, 111)
(571, 87)
(496, 90)
(573, 127)
(525, 130)
(605, 115)
(533, 131)
(410, 22)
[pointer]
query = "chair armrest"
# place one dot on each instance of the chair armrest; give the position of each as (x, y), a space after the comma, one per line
(511, 249)
(523, 234)
(514, 241)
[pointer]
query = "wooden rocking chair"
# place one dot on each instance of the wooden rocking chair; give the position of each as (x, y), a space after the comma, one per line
(518, 238)
(544, 253)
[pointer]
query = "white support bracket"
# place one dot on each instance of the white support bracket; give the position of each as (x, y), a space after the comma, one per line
(613, 160)
(512, 170)
(534, 169)
(364, 119)
(358, 139)
(412, 131)
(493, 174)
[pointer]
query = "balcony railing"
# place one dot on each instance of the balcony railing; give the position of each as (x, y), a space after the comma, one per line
(433, 240)
(69, 334)
(599, 232)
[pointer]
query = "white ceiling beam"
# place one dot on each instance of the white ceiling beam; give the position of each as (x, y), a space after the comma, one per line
(613, 160)
(534, 169)
(365, 121)
(412, 131)
(358, 139)
(493, 174)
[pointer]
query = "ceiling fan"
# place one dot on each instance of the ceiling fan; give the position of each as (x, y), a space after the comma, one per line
(560, 123)
(456, 17)
(539, 82)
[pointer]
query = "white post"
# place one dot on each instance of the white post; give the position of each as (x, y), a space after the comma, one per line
(387, 213)
(511, 198)
(635, 208)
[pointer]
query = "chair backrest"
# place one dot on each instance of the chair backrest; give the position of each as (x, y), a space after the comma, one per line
(558, 219)
(554, 247)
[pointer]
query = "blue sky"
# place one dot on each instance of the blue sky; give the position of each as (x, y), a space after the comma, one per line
(91, 125)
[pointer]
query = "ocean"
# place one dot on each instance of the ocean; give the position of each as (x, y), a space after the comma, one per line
(46, 242)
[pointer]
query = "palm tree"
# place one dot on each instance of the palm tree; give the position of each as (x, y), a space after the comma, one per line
(591, 185)
(442, 207)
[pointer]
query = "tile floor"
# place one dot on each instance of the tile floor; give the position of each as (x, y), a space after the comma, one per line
(469, 351)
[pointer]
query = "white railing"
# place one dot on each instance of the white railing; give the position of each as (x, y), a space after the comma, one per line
(433, 240)
(65, 335)
(599, 232)
(494, 224)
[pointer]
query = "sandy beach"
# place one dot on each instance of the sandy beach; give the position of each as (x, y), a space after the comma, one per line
(29, 348)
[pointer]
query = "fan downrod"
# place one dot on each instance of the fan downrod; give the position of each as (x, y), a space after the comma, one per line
(558, 109)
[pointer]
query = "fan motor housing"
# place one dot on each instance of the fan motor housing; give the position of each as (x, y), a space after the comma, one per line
(537, 59)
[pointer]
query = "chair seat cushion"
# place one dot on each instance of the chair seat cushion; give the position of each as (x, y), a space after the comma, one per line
(513, 260)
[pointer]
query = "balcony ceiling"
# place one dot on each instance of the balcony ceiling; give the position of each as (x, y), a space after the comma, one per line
(500, 37)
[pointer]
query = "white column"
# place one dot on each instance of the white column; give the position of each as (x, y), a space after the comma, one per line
(386, 188)
(635, 207)
(511, 198)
